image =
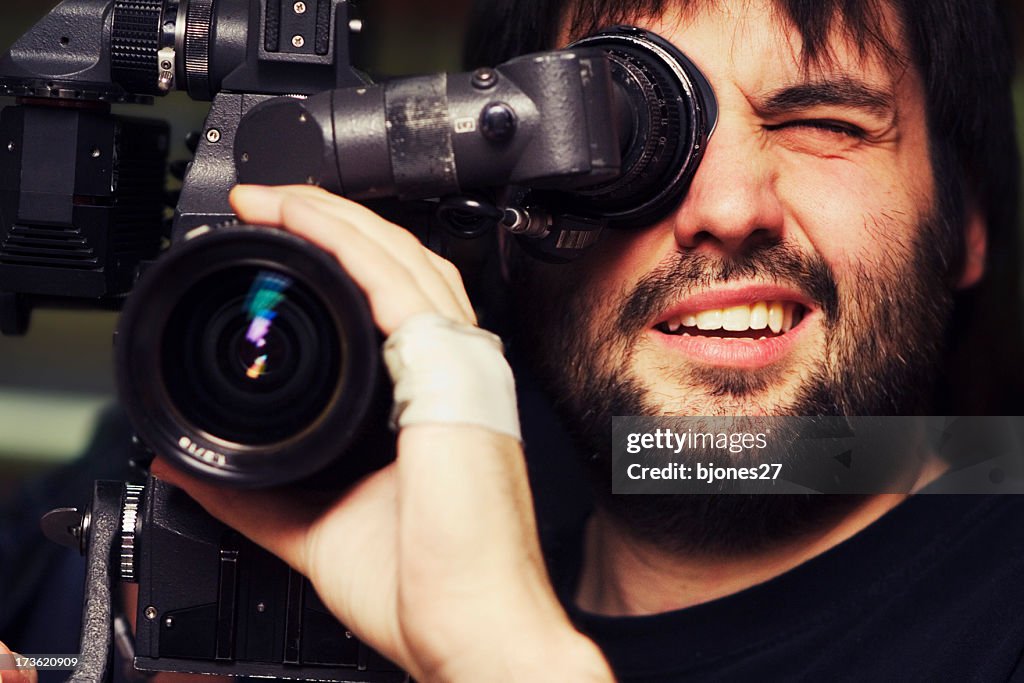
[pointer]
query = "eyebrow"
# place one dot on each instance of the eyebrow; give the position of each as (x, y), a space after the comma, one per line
(843, 92)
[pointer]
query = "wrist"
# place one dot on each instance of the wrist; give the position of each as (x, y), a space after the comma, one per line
(577, 658)
(555, 657)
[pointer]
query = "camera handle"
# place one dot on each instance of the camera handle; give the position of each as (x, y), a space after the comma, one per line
(93, 533)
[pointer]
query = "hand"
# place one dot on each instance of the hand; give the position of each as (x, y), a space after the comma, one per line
(433, 560)
(11, 674)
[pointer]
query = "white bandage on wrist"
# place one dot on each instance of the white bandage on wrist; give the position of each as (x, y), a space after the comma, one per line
(450, 373)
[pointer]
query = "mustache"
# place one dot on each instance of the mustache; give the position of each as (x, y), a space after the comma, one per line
(685, 272)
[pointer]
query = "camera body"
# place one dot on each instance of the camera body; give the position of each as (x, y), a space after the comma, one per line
(226, 606)
(81, 193)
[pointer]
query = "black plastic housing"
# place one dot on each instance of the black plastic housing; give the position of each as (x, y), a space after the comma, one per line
(220, 604)
(81, 199)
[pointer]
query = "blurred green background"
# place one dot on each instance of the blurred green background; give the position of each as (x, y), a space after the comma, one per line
(54, 381)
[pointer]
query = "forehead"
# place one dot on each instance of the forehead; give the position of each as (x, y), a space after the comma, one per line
(820, 38)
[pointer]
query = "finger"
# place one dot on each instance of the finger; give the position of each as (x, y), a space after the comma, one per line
(263, 205)
(394, 291)
(307, 191)
(453, 278)
(393, 239)
(266, 202)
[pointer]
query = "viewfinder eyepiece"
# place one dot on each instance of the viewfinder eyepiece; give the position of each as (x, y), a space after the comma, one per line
(670, 112)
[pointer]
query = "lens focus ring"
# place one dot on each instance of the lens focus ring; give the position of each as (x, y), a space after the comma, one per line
(198, 26)
(134, 43)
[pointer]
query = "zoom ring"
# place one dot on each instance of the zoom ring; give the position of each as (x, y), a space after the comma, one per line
(134, 43)
(198, 26)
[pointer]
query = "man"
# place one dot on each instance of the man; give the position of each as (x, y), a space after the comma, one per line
(843, 183)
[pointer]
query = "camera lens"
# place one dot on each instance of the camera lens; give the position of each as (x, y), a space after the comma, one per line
(251, 356)
(247, 356)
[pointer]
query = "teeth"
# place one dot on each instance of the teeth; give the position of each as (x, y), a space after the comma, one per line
(759, 316)
(736, 319)
(709, 320)
(775, 316)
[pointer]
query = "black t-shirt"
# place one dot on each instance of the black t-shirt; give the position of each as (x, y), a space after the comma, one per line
(933, 591)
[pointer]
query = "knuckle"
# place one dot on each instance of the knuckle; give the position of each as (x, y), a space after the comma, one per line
(408, 241)
(291, 202)
(450, 269)
(309, 191)
(446, 268)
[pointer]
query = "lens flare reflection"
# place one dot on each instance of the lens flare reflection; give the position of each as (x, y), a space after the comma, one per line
(265, 295)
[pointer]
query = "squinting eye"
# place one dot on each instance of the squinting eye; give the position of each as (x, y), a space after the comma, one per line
(837, 127)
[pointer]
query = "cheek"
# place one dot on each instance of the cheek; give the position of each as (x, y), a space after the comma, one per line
(857, 218)
(614, 266)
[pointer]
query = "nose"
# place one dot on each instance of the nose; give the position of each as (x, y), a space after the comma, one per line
(732, 203)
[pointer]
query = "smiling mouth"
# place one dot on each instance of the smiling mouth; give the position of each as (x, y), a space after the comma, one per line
(756, 321)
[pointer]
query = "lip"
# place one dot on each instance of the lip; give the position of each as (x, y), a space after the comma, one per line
(735, 353)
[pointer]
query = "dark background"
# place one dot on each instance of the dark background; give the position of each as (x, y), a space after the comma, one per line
(54, 380)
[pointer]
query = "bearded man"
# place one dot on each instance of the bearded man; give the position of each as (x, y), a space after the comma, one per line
(860, 180)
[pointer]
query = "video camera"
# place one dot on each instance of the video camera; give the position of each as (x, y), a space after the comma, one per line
(246, 355)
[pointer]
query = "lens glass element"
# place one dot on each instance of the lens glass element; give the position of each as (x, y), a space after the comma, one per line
(251, 356)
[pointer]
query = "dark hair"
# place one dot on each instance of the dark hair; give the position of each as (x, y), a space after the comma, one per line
(963, 51)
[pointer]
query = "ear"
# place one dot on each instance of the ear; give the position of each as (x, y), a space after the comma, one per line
(975, 248)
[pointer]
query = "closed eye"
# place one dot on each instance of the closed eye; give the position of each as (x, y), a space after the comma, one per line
(826, 125)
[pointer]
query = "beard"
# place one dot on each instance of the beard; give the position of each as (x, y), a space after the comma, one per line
(883, 339)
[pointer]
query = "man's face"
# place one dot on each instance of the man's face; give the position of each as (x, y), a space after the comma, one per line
(804, 271)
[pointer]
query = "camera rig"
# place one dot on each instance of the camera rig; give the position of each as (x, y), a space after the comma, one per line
(214, 345)
(559, 145)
